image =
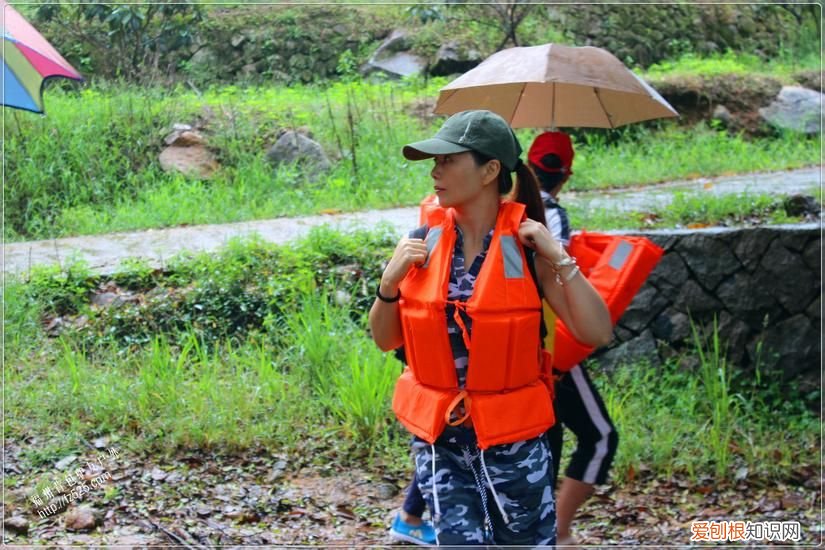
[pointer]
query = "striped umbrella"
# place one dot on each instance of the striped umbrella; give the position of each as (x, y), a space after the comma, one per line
(28, 60)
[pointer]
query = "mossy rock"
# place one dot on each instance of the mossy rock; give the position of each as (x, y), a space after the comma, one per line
(642, 34)
(290, 44)
(695, 97)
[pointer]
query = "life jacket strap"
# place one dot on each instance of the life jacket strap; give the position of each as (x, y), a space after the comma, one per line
(462, 396)
(459, 307)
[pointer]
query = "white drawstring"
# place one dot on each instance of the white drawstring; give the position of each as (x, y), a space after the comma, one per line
(436, 506)
(493, 489)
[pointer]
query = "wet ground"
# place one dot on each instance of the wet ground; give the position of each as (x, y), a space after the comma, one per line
(198, 499)
(104, 252)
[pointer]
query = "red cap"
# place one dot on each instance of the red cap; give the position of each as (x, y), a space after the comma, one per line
(552, 143)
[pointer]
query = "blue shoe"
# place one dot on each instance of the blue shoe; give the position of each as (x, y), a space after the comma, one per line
(423, 534)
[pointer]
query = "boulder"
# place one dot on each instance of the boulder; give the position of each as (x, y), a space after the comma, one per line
(795, 108)
(294, 147)
(393, 57)
(801, 205)
(452, 59)
(196, 161)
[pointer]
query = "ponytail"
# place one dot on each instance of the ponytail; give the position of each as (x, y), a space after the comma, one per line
(527, 193)
(527, 188)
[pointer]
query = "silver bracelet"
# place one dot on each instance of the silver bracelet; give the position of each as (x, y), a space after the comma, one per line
(568, 277)
(566, 259)
(572, 274)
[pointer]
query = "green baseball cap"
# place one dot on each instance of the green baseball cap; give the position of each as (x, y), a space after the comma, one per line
(481, 131)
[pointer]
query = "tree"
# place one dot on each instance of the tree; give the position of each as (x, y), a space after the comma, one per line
(133, 41)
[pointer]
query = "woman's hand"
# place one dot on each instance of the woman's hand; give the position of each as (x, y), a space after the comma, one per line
(536, 236)
(385, 319)
(408, 252)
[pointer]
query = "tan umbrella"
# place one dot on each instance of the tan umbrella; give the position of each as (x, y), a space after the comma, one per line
(555, 86)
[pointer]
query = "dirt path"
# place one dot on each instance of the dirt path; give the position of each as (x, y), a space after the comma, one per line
(201, 500)
(105, 252)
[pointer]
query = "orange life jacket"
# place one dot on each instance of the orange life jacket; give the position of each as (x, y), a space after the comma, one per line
(617, 267)
(504, 397)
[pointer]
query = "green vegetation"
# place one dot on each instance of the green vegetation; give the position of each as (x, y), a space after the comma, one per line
(690, 210)
(734, 63)
(235, 349)
(107, 176)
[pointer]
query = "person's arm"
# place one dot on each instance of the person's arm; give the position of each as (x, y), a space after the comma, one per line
(575, 301)
(385, 321)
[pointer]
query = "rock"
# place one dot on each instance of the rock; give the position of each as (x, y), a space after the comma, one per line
(277, 471)
(451, 60)
(184, 138)
(105, 299)
(621, 334)
(795, 108)
(801, 205)
(101, 442)
(82, 519)
(17, 524)
(752, 245)
(734, 334)
(64, 462)
(386, 491)
(722, 114)
(813, 255)
(195, 161)
(792, 346)
(694, 299)
(814, 310)
(671, 326)
(809, 79)
(786, 266)
(642, 348)
(669, 275)
(205, 57)
(158, 474)
(709, 258)
(293, 147)
(392, 58)
(644, 307)
(237, 40)
(744, 296)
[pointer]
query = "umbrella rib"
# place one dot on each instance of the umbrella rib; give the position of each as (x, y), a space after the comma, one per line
(515, 107)
(609, 118)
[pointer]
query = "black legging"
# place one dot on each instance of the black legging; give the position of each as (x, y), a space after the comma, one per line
(580, 408)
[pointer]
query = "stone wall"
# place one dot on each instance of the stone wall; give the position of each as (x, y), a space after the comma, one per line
(763, 286)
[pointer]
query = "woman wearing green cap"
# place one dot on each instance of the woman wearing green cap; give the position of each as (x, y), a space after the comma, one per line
(465, 302)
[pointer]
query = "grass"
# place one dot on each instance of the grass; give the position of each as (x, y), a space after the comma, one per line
(238, 374)
(107, 177)
(690, 210)
(732, 62)
(648, 156)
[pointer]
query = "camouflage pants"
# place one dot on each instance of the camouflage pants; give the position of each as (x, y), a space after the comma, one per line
(520, 474)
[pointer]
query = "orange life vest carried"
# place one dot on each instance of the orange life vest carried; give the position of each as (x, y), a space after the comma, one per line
(617, 267)
(504, 396)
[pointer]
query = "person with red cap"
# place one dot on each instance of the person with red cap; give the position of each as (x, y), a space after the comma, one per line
(577, 403)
